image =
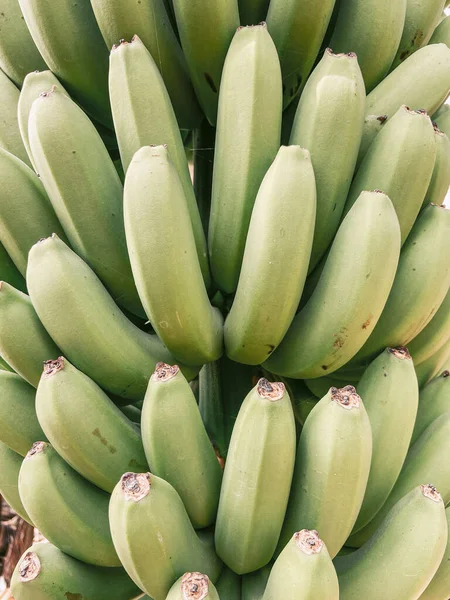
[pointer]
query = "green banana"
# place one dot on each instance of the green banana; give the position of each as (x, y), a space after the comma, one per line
(440, 180)
(119, 20)
(391, 395)
(372, 127)
(320, 386)
(4, 366)
(400, 162)
(206, 31)
(441, 35)
(9, 128)
(254, 584)
(422, 81)
(45, 573)
(9, 271)
(57, 30)
(156, 217)
(228, 585)
(434, 401)
(329, 122)
(442, 119)
(281, 225)
(247, 140)
(303, 570)
(84, 189)
(262, 450)
(19, 426)
(297, 28)
(373, 31)
(303, 401)
(67, 509)
(193, 586)
(432, 366)
(86, 429)
(148, 519)
(9, 475)
(132, 413)
(351, 293)
(439, 588)
(84, 322)
(177, 446)
(403, 555)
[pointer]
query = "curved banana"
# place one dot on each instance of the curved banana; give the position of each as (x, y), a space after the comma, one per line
(434, 401)
(9, 475)
(254, 584)
(247, 140)
(372, 127)
(439, 588)
(9, 271)
(440, 179)
(442, 119)
(432, 366)
(228, 585)
(441, 35)
(9, 128)
(193, 586)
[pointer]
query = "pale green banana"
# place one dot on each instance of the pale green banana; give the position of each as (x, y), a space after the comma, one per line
(193, 586)
(132, 412)
(9, 475)
(9, 271)
(320, 386)
(350, 296)
(228, 585)
(9, 128)
(372, 127)
(432, 366)
(329, 123)
(303, 401)
(247, 140)
(254, 584)
(442, 119)
(441, 35)
(440, 179)
(439, 588)
(434, 401)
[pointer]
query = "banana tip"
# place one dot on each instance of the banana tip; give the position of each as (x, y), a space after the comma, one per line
(36, 448)
(164, 372)
(51, 367)
(429, 491)
(346, 397)
(135, 486)
(400, 352)
(29, 567)
(308, 540)
(270, 390)
(194, 586)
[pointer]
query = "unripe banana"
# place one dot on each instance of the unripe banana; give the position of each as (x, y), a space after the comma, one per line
(254, 584)
(329, 123)
(45, 573)
(439, 588)
(228, 585)
(132, 412)
(9, 271)
(442, 119)
(67, 509)
(372, 30)
(57, 30)
(87, 326)
(281, 226)
(148, 519)
(303, 570)
(432, 366)
(303, 401)
(247, 140)
(177, 446)
(9, 128)
(400, 162)
(372, 127)
(297, 28)
(193, 586)
(441, 35)
(351, 293)
(434, 401)
(9, 474)
(440, 179)
(390, 393)
(252, 12)
(262, 449)
(4, 366)
(421, 82)
(320, 386)
(401, 558)
(171, 286)
(331, 469)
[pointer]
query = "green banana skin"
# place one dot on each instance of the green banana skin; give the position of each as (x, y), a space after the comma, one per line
(9, 272)
(9, 475)
(156, 216)
(45, 573)
(441, 35)
(439, 588)
(143, 116)
(119, 20)
(303, 570)
(9, 129)
(432, 366)
(391, 395)
(373, 124)
(81, 67)
(329, 123)
(148, 519)
(382, 568)
(332, 464)
(4, 366)
(320, 386)
(440, 180)
(84, 189)
(67, 510)
(254, 584)
(303, 401)
(252, 12)
(228, 585)
(332, 327)
(24, 343)
(247, 140)
(262, 449)
(297, 28)
(19, 426)
(86, 324)
(193, 586)
(434, 401)
(442, 119)
(400, 162)
(206, 31)
(281, 225)
(177, 446)
(422, 81)
(373, 31)
(132, 413)
(84, 426)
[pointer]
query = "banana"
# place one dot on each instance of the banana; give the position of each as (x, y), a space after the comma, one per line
(132, 413)
(205, 47)
(24, 343)
(45, 573)
(434, 402)
(441, 35)
(391, 395)
(331, 469)
(319, 387)
(177, 446)
(86, 429)
(351, 293)
(82, 67)
(432, 366)
(439, 588)
(297, 28)
(87, 326)
(247, 140)
(252, 12)
(303, 401)
(303, 570)
(254, 584)
(84, 189)
(373, 31)
(9, 128)
(329, 123)
(9, 475)
(440, 180)
(383, 567)
(119, 20)
(262, 449)
(422, 81)
(442, 119)
(281, 225)
(371, 128)
(4, 366)
(193, 586)
(170, 285)
(228, 585)
(9, 271)
(400, 162)
(148, 519)
(67, 509)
